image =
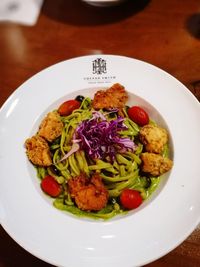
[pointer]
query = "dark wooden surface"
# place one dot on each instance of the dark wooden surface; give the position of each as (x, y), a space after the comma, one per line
(165, 33)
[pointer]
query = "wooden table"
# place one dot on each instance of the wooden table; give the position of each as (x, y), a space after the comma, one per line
(165, 33)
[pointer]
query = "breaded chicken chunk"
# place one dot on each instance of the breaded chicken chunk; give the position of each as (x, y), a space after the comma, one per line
(155, 164)
(38, 151)
(89, 194)
(51, 126)
(77, 183)
(153, 138)
(113, 97)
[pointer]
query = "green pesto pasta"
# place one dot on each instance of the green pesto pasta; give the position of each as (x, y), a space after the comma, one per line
(118, 165)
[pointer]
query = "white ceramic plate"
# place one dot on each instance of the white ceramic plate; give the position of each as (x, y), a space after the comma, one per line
(144, 235)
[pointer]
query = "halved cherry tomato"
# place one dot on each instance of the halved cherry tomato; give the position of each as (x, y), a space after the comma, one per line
(130, 199)
(50, 186)
(68, 106)
(138, 115)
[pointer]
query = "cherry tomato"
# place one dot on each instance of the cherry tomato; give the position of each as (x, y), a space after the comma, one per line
(50, 186)
(130, 199)
(67, 107)
(138, 115)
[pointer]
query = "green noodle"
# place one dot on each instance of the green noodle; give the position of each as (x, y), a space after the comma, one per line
(123, 172)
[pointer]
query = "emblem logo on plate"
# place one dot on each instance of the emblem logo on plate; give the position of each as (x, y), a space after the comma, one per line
(99, 66)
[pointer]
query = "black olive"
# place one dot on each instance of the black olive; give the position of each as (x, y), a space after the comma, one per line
(79, 98)
(112, 115)
(56, 141)
(147, 181)
(107, 173)
(54, 170)
(113, 200)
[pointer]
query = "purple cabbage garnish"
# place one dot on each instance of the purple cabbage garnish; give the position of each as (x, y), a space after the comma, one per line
(100, 138)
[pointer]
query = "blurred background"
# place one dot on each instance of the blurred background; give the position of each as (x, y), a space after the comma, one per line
(165, 33)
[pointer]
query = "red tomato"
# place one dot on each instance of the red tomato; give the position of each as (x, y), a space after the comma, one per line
(130, 199)
(67, 107)
(50, 186)
(138, 115)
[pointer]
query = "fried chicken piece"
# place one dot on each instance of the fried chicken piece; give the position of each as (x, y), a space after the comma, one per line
(38, 151)
(153, 138)
(51, 126)
(155, 164)
(77, 183)
(89, 195)
(113, 97)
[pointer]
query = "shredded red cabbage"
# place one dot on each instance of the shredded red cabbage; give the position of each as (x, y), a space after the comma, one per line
(100, 138)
